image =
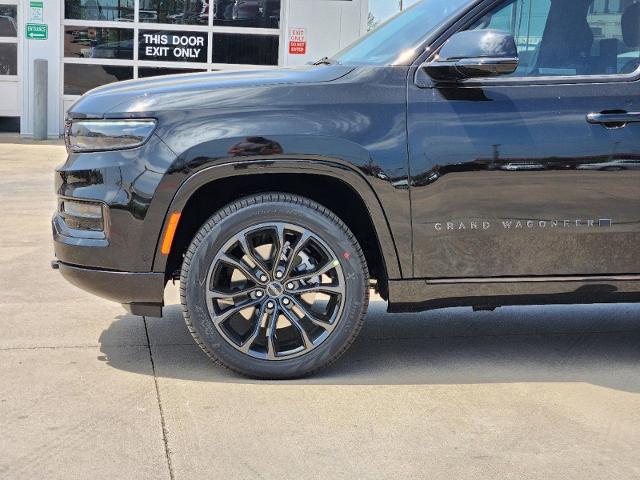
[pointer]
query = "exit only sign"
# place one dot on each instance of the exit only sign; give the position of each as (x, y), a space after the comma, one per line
(37, 31)
(298, 41)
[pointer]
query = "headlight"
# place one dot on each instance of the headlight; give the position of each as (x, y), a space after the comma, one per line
(99, 135)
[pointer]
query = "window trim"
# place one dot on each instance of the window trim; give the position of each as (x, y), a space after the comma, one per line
(422, 80)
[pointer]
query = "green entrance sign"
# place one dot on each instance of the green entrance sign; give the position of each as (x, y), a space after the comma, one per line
(37, 31)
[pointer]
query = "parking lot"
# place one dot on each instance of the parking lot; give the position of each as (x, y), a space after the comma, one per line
(88, 391)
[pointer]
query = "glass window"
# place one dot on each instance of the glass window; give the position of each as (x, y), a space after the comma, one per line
(187, 12)
(172, 46)
(144, 72)
(8, 59)
(245, 49)
(8, 21)
(571, 37)
(93, 42)
(156, 41)
(394, 42)
(107, 10)
(527, 20)
(79, 79)
(247, 13)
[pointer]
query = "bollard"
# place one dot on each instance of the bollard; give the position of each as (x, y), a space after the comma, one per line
(40, 87)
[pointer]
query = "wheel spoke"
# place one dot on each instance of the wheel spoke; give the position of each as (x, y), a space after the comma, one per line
(226, 314)
(296, 323)
(311, 316)
(327, 267)
(330, 289)
(302, 242)
(244, 243)
(238, 265)
(219, 295)
(271, 330)
(246, 346)
(281, 243)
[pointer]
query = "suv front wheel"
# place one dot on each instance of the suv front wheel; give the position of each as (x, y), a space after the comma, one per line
(274, 286)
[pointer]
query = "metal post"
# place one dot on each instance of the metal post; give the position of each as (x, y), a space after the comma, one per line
(40, 99)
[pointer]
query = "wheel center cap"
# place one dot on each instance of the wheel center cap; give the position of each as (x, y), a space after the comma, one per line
(275, 289)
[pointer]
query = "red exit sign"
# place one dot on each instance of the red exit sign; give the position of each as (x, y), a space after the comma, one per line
(297, 41)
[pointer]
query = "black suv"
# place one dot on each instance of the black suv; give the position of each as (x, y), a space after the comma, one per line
(466, 153)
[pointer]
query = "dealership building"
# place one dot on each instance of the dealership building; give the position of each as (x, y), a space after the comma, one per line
(88, 43)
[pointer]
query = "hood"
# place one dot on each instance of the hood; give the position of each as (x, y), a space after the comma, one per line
(195, 90)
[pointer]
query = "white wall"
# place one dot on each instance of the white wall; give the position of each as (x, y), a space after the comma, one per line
(330, 26)
(49, 50)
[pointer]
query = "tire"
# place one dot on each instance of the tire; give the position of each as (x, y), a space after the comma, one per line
(292, 325)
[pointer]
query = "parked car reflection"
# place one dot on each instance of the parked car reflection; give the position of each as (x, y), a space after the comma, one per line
(247, 13)
(612, 165)
(188, 12)
(256, 146)
(619, 163)
(123, 49)
(143, 15)
(8, 26)
(8, 59)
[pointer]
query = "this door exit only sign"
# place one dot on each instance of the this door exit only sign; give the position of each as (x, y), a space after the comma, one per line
(297, 41)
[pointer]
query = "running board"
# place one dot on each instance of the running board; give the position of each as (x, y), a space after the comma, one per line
(489, 293)
(590, 278)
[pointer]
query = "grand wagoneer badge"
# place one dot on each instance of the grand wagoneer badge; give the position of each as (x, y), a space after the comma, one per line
(518, 224)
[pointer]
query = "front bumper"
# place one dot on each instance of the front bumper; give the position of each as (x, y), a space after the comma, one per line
(117, 262)
(139, 293)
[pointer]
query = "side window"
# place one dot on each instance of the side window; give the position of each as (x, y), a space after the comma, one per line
(571, 37)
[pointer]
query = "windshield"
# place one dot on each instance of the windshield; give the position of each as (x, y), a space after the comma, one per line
(395, 41)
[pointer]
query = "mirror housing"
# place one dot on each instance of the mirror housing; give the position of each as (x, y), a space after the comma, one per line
(474, 54)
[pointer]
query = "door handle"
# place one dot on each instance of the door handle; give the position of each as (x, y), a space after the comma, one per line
(613, 119)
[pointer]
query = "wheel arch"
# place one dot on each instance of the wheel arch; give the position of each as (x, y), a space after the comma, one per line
(209, 189)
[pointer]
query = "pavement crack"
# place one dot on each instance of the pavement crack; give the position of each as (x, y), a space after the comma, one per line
(163, 424)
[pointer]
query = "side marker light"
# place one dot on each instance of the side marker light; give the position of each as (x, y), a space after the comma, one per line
(170, 233)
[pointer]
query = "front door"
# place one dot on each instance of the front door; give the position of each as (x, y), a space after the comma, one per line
(9, 59)
(536, 173)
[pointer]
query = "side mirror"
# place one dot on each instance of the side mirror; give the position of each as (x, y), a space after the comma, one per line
(474, 54)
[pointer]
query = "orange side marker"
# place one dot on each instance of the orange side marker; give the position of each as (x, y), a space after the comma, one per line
(170, 233)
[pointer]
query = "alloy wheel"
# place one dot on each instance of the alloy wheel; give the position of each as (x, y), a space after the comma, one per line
(275, 291)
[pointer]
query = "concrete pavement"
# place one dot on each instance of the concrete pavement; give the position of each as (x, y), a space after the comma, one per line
(88, 391)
